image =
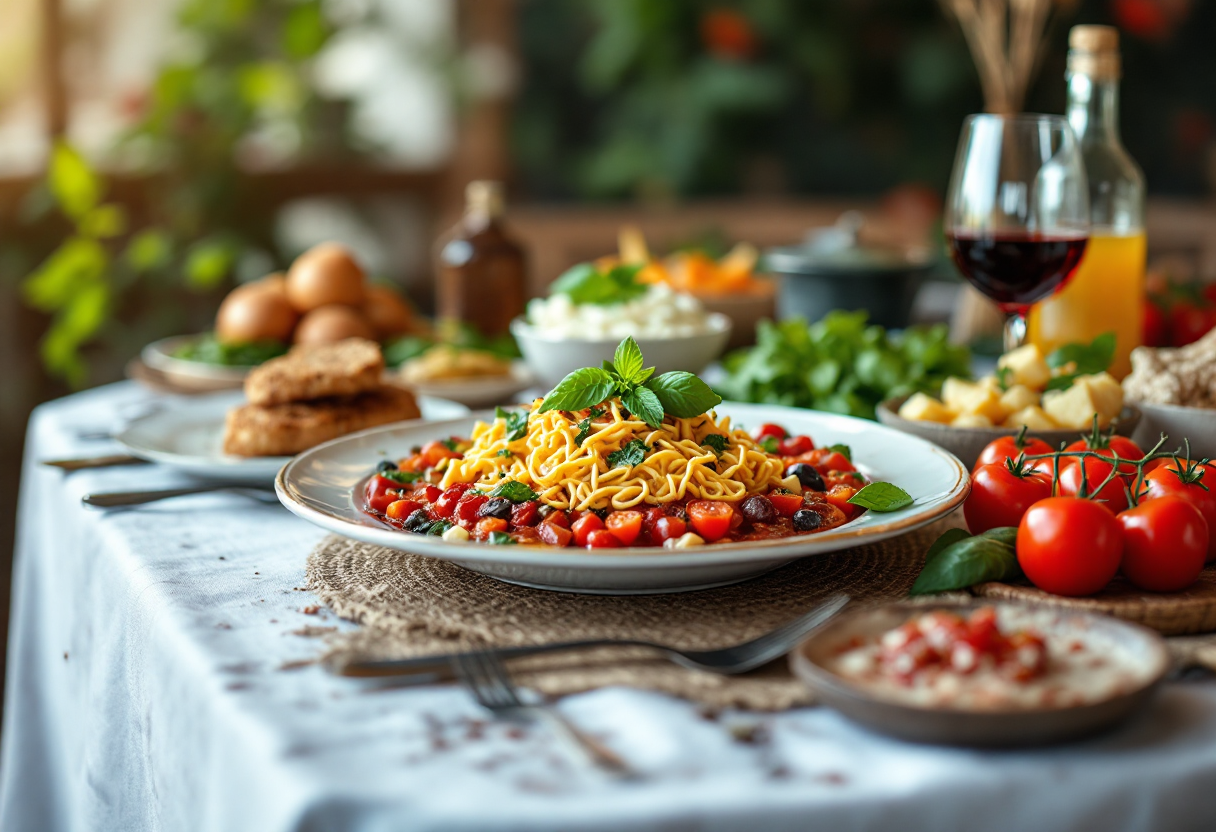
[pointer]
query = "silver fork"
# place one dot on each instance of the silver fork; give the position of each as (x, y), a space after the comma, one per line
(739, 658)
(491, 685)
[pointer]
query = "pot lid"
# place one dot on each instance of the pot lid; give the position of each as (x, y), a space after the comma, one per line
(836, 248)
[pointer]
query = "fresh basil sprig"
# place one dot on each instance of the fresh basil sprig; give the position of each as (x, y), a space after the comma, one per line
(1086, 360)
(632, 454)
(585, 283)
(677, 393)
(517, 422)
(882, 496)
(958, 560)
(514, 491)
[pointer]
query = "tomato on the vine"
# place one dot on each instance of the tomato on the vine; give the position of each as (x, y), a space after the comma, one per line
(1011, 447)
(1112, 446)
(1069, 546)
(1165, 543)
(1092, 472)
(1192, 482)
(1001, 492)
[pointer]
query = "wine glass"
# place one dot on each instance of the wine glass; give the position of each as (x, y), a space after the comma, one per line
(1017, 215)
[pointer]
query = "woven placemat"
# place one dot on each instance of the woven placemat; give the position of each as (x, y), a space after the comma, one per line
(416, 606)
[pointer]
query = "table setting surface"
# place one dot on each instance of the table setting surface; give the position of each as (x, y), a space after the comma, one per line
(161, 676)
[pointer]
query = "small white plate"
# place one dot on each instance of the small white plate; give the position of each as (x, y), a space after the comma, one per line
(319, 484)
(190, 437)
(482, 391)
(160, 355)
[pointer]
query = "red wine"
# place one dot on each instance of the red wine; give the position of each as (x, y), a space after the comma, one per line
(1016, 268)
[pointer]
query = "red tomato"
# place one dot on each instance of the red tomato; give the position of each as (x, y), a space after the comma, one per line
(1069, 546)
(602, 539)
(839, 496)
(795, 445)
(999, 497)
(769, 429)
(429, 493)
(433, 452)
(626, 525)
(1156, 329)
(1008, 447)
(711, 518)
(1167, 481)
(785, 502)
(468, 506)
(667, 528)
(1111, 446)
(1189, 322)
(401, 509)
(584, 526)
(825, 460)
(445, 506)
(1165, 544)
(380, 492)
(1095, 472)
(524, 514)
(554, 535)
(557, 517)
(488, 525)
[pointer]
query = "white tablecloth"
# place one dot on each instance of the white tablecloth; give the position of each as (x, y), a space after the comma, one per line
(145, 691)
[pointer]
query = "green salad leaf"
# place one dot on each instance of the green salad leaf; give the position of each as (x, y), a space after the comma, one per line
(841, 364)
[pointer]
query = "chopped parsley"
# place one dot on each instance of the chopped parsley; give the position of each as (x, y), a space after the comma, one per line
(517, 422)
(514, 491)
(632, 454)
(404, 477)
(716, 441)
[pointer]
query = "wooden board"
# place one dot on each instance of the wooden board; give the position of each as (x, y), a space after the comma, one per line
(1171, 613)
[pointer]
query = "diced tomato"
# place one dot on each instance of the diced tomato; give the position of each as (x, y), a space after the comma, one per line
(486, 525)
(435, 452)
(467, 507)
(769, 429)
(401, 509)
(785, 502)
(584, 526)
(839, 496)
(602, 539)
(711, 518)
(445, 505)
(427, 493)
(667, 528)
(626, 525)
(823, 460)
(524, 514)
(380, 492)
(796, 445)
(527, 535)
(558, 518)
(554, 535)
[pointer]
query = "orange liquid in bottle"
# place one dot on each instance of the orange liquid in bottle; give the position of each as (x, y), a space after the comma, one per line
(1105, 295)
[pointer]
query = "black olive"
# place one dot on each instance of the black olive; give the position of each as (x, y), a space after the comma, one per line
(419, 522)
(759, 509)
(601, 513)
(678, 511)
(386, 465)
(805, 520)
(807, 475)
(499, 507)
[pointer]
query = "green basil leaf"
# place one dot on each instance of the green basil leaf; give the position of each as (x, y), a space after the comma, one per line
(682, 394)
(439, 527)
(517, 422)
(716, 441)
(843, 450)
(500, 539)
(948, 538)
(579, 390)
(769, 444)
(514, 491)
(1094, 357)
(632, 454)
(644, 404)
(1003, 534)
(882, 496)
(404, 477)
(449, 443)
(967, 562)
(628, 360)
(585, 284)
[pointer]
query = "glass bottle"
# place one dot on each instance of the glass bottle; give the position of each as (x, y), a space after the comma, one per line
(1106, 294)
(482, 271)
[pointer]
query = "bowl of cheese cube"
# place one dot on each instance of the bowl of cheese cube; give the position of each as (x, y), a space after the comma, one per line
(1054, 402)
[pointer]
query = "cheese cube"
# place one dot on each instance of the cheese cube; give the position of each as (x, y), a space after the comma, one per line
(971, 420)
(1106, 393)
(1074, 407)
(1017, 397)
(1026, 366)
(991, 383)
(1032, 417)
(922, 408)
(965, 397)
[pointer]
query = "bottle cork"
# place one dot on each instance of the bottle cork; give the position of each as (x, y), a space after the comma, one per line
(1094, 51)
(484, 196)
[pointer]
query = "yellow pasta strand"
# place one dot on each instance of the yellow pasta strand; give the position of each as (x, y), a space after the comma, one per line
(568, 475)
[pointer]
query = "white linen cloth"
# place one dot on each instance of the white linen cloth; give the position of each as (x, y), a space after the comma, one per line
(145, 692)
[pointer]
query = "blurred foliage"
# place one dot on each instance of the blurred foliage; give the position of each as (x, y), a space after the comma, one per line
(237, 98)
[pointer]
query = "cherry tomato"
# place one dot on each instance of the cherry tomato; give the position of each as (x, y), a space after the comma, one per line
(602, 539)
(999, 497)
(769, 429)
(380, 492)
(524, 514)
(401, 509)
(554, 535)
(1095, 473)
(487, 526)
(626, 525)
(1166, 481)
(584, 526)
(711, 518)
(1165, 544)
(1190, 321)
(1069, 546)
(468, 506)
(445, 506)
(1156, 329)
(785, 502)
(795, 445)
(667, 528)
(1008, 447)
(823, 460)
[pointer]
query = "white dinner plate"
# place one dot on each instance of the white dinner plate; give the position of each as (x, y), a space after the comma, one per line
(319, 484)
(190, 436)
(476, 392)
